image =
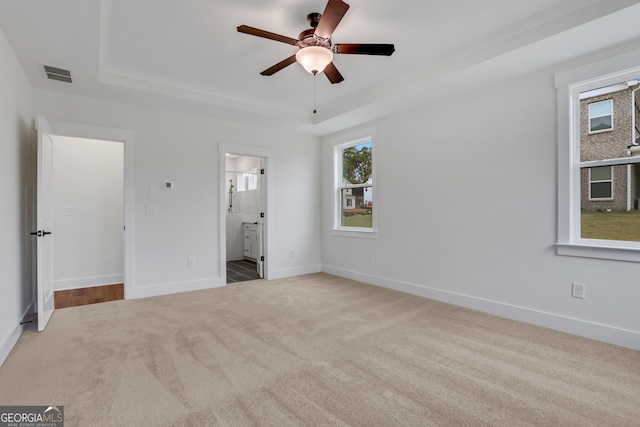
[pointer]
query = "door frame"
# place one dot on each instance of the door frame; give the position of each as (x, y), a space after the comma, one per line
(267, 157)
(78, 130)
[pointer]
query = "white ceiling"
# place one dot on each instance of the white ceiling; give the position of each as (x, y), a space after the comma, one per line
(187, 55)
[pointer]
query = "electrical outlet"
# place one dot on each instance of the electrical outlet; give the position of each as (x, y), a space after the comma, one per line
(370, 259)
(577, 290)
(151, 210)
(191, 262)
(292, 253)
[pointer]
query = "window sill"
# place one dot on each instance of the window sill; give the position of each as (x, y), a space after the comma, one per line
(371, 234)
(600, 251)
(595, 132)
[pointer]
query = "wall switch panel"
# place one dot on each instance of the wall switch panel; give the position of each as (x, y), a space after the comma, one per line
(68, 211)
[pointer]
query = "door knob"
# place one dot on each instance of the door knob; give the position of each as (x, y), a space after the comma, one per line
(40, 233)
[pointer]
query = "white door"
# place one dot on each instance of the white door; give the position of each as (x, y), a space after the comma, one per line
(44, 221)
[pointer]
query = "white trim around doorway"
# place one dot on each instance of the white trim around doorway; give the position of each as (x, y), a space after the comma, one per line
(79, 130)
(267, 156)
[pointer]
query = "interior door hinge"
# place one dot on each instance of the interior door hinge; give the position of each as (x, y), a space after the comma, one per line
(261, 171)
(262, 258)
(261, 214)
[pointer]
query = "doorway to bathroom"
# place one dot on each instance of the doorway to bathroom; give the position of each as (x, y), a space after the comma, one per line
(244, 217)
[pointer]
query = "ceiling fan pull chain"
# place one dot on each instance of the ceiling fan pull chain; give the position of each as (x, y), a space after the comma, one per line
(315, 75)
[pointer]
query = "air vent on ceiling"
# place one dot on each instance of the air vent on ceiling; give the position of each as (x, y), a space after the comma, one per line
(55, 73)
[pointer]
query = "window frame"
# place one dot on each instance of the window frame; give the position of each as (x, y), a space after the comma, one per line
(366, 136)
(569, 84)
(610, 101)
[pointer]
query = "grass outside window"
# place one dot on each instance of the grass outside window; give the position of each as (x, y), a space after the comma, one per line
(359, 220)
(611, 225)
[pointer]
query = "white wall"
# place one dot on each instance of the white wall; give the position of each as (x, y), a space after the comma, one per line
(88, 212)
(185, 149)
(15, 223)
(467, 214)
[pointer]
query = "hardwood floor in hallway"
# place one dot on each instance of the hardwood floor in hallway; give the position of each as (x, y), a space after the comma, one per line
(85, 296)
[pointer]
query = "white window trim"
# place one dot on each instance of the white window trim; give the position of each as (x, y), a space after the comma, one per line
(591, 132)
(569, 84)
(610, 181)
(364, 136)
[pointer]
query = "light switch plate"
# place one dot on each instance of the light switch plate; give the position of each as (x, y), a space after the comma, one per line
(68, 211)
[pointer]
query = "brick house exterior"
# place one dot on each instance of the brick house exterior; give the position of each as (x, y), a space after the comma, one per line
(612, 188)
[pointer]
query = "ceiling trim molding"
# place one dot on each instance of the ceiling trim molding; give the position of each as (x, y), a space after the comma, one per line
(516, 48)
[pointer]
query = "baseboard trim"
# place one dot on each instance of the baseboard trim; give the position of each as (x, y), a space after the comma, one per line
(294, 271)
(87, 282)
(583, 328)
(7, 345)
(172, 288)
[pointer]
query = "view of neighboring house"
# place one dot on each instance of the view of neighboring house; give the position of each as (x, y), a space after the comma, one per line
(357, 198)
(609, 129)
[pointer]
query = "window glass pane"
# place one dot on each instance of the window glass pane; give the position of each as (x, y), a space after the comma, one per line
(242, 186)
(614, 225)
(356, 164)
(600, 123)
(596, 116)
(617, 218)
(602, 108)
(357, 205)
(601, 173)
(253, 179)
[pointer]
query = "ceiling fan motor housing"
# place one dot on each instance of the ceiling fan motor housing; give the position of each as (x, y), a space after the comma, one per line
(309, 38)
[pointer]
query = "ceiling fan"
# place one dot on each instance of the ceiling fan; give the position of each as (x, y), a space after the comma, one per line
(316, 49)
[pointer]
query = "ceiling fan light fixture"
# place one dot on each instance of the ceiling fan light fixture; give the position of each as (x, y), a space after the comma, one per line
(314, 58)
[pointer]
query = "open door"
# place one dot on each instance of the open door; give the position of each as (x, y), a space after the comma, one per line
(44, 222)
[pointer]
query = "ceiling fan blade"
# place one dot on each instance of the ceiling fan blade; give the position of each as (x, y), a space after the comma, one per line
(279, 66)
(331, 17)
(333, 74)
(266, 34)
(364, 49)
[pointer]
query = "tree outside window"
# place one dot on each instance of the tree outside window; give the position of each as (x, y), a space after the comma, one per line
(355, 189)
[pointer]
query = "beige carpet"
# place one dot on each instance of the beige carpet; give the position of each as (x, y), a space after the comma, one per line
(315, 350)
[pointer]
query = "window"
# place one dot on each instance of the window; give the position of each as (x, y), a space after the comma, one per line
(600, 183)
(242, 184)
(354, 206)
(252, 177)
(601, 116)
(248, 180)
(599, 165)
